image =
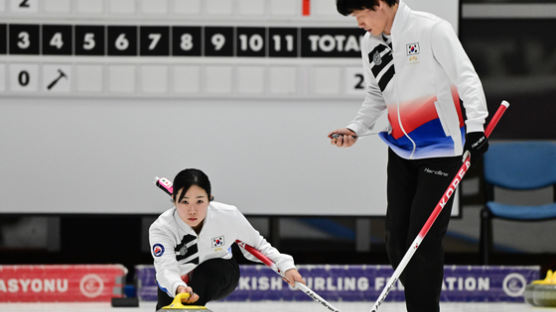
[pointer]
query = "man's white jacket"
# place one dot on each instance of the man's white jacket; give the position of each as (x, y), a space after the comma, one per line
(420, 81)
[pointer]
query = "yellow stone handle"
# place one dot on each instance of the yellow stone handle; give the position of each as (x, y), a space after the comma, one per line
(177, 304)
(550, 279)
(178, 300)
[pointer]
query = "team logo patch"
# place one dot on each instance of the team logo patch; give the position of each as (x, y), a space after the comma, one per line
(376, 58)
(158, 250)
(413, 48)
(218, 241)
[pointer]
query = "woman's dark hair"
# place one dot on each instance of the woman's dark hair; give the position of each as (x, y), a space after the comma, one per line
(346, 7)
(188, 177)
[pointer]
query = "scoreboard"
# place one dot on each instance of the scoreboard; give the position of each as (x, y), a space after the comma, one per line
(135, 40)
(99, 96)
(69, 48)
(170, 44)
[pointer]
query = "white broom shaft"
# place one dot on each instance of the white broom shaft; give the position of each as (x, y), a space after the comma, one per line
(308, 291)
(396, 275)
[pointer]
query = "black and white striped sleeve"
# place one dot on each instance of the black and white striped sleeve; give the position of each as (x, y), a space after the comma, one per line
(373, 105)
(165, 263)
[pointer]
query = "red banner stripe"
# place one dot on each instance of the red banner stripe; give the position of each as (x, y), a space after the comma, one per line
(61, 283)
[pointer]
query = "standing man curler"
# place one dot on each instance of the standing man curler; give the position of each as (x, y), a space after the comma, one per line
(416, 70)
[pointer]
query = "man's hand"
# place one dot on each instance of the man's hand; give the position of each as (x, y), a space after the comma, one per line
(343, 137)
(291, 276)
(193, 297)
(476, 143)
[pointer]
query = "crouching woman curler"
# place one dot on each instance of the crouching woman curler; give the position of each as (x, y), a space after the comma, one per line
(191, 244)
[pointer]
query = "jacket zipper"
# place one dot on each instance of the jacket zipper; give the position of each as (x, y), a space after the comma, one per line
(398, 107)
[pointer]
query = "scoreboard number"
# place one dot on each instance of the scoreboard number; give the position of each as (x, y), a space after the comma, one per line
(283, 42)
(23, 77)
(89, 40)
(122, 40)
(355, 81)
(278, 43)
(24, 6)
(359, 85)
(23, 41)
(57, 39)
(254, 43)
(155, 40)
(251, 41)
(218, 41)
(186, 41)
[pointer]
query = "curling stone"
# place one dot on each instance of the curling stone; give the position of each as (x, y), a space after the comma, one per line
(542, 293)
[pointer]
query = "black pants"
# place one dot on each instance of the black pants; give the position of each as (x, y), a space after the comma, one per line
(414, 188)
(211, 280)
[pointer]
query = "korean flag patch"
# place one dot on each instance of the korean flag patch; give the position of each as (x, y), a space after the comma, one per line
(218, 241)
(412, 48)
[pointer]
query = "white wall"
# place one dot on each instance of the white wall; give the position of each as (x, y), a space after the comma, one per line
(97, 147)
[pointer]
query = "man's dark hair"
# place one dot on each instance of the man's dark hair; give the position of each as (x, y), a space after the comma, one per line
(346, 7)
(188, 177)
